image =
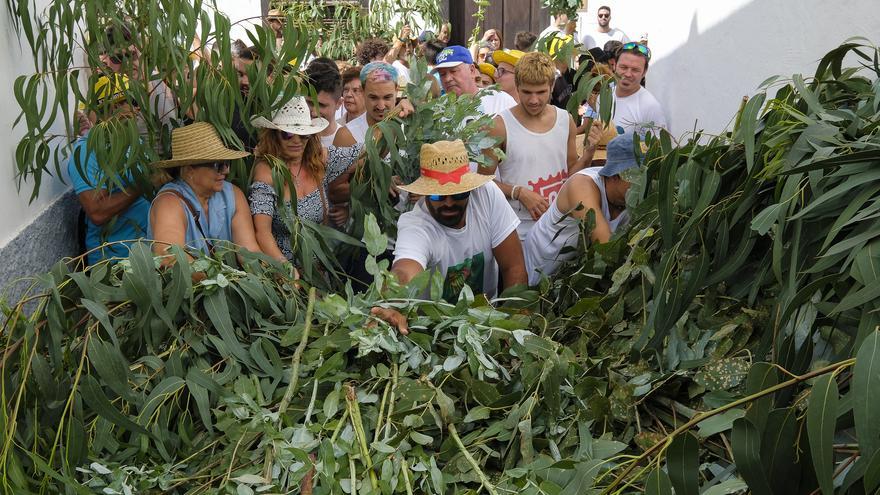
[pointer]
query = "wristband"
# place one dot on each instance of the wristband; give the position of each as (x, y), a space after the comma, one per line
(513, 194)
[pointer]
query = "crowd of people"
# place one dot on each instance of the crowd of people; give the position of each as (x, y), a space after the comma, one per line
(509, 223)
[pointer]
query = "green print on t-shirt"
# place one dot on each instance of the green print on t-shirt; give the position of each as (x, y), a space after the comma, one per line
(469, 272)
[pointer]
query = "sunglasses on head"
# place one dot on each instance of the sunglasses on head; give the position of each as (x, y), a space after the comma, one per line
(633, 46)
(455, 197)
(219, 167)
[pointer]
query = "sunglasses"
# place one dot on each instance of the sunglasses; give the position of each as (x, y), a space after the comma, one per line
(633, 46)
(284, 135)
(219, 167)
(604, 16)
(455, 197)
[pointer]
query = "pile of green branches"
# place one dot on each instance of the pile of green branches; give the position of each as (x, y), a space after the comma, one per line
(724, 341)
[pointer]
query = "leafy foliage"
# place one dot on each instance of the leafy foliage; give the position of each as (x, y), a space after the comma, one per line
(340, 25)
(726, 340)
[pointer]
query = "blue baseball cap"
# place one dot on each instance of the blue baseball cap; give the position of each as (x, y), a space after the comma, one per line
(453, 56)
(620, 155)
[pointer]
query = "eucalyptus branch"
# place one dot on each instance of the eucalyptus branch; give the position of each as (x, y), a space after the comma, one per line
(663, 444)
(453, 432)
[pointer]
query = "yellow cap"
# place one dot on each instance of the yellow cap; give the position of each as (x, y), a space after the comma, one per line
(111, 90)
(487, 69)
(508, 56)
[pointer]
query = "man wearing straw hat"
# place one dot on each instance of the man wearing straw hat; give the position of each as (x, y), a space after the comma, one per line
(460, 228)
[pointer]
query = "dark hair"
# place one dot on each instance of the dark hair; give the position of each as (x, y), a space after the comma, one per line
(351, 73)
(323, 75)
(593, 56)
(524, 40)
(605, 7)
(371, 49)
(612, 49)
(247, 53)
(431, 49)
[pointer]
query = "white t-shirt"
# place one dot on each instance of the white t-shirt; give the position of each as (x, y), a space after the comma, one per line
(462, 256)
(403, 76)
(597, 39)
(494, 102)
(358, 128)
(327, 141)
(639, 112)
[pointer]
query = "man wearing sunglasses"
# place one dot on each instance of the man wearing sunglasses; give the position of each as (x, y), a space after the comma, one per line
(635, 108)
(604, 33)
(462, 227)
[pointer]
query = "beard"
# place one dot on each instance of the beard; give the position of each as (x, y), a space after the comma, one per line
(447, 216)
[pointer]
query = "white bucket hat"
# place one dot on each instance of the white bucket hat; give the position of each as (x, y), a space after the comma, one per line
(294, 117)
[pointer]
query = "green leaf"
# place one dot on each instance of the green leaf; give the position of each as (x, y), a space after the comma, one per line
(866, 400)
(821, 422)
(420, 438)
(91, 393)
(749, 125)
(218, 311)
(657, 483)
(375, 240)
(683, 464)
(745, 441)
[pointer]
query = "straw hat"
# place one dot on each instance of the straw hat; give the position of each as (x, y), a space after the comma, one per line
(197, 143)
(294, 117)
(609, 133)
(445, 170)
(275, 14)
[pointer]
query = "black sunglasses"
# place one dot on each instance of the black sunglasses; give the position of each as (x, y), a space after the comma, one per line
(455, 197)
(218, 167)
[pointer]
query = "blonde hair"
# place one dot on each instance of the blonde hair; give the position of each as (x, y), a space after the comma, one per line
(534, 68)
(313, 153)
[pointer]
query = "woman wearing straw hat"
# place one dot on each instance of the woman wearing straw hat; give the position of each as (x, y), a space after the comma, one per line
(292, 137)
(199, 206)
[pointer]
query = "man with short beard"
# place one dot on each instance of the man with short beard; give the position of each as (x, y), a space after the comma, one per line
(460, 228)
(635, 108)
(604, 33)
(538, 140)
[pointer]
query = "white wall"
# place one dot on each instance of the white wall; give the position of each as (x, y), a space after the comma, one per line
(16, 212)
(243, 14)
(707, 55)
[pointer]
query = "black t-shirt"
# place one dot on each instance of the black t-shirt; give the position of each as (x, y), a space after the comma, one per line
(563, 87)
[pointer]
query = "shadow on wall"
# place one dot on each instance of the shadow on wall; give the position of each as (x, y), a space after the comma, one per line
(701, 83)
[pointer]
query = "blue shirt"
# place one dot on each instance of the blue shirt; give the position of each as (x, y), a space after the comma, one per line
(216, 224)
(127, 225)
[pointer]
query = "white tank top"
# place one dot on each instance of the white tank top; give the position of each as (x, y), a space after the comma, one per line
(555, 231)
(535, 161)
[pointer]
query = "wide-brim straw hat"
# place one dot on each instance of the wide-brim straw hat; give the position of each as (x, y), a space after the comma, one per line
(275, 14)
(198, 143)
(609, 133)
(445, 170)
(294, 117)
